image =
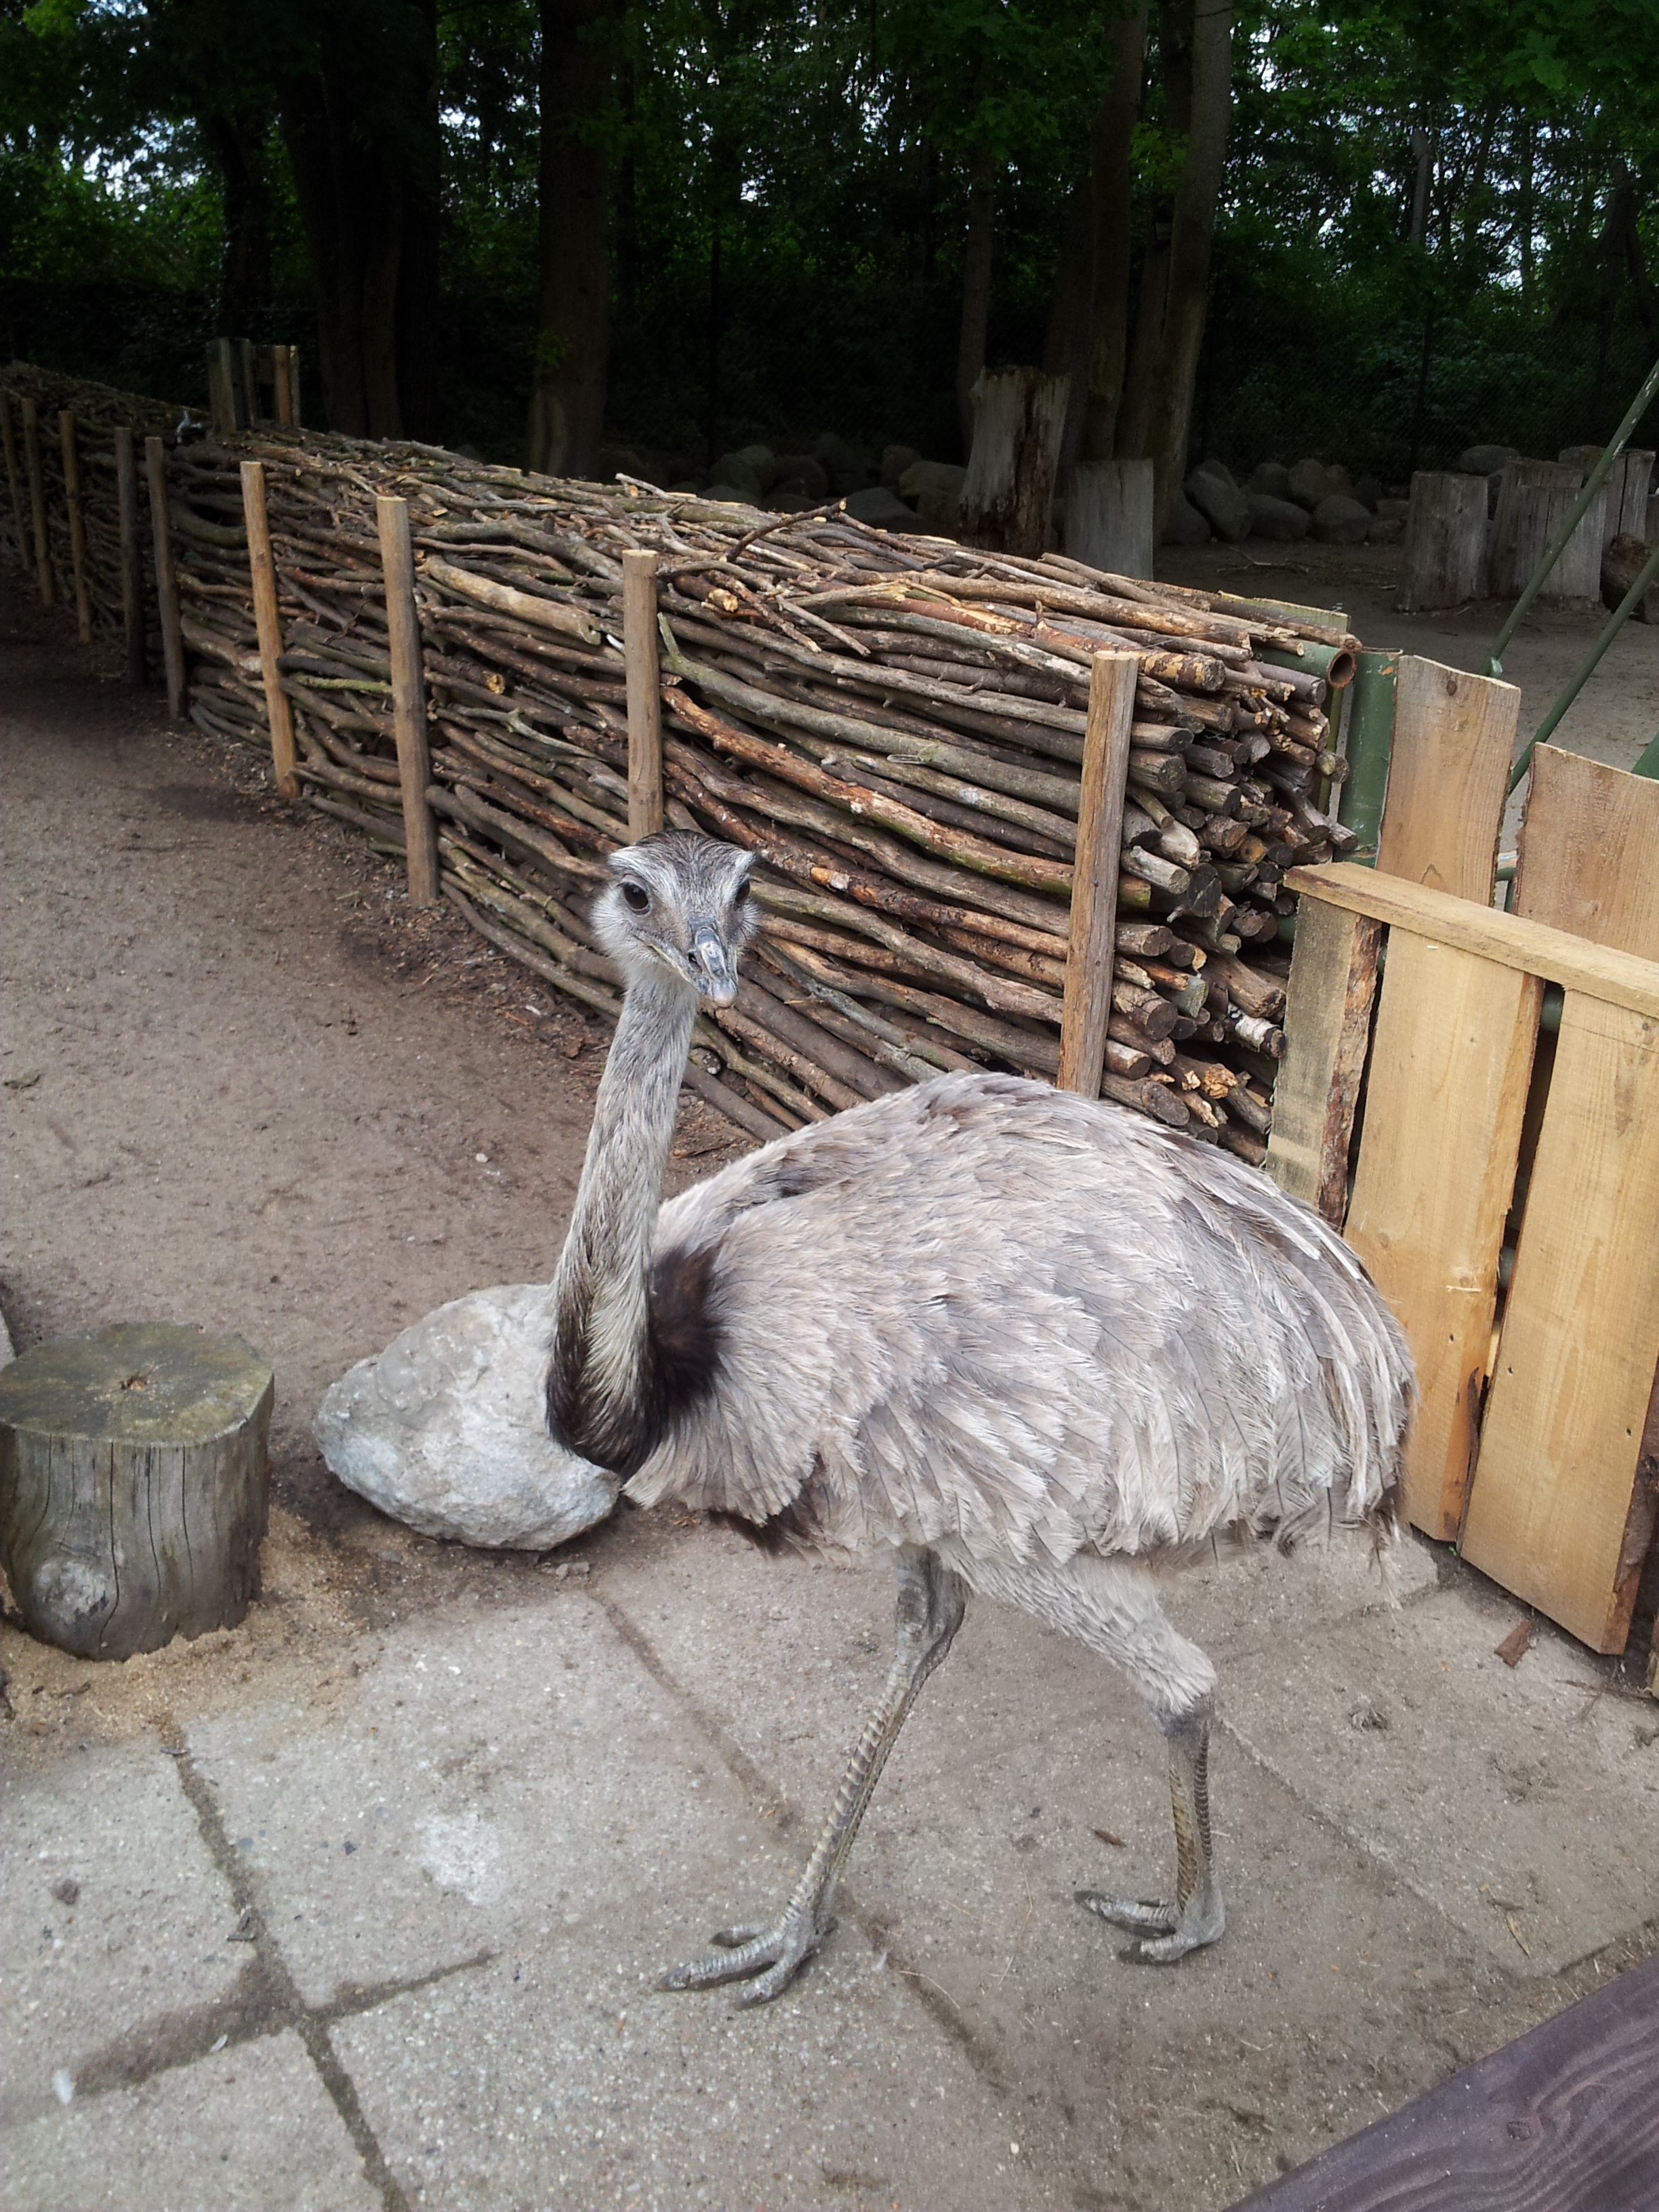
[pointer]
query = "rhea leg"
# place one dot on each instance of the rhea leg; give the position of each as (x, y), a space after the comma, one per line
(1170, 1928)
(931, 1603)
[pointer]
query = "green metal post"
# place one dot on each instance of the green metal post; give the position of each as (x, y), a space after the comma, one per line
(1649, 763)
(1313, 659)
(1593, 483)
(1586, 668)
(1371, 746)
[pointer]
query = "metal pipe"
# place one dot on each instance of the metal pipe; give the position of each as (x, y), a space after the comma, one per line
(1371, 746)
(1598, 475)
(1333, 662)
(1586, 669)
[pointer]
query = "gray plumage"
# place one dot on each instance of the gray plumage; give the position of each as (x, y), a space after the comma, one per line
(1026, 1342)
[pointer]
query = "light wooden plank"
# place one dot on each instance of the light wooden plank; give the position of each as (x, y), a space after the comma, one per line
(1589, 852)
(166, 577)
(408, 699)
(1092, 949)
(268, 622)
(1454, 736)
(1556, 1488)
(1327, 1016)
(1449, 1067)
(1598, 971)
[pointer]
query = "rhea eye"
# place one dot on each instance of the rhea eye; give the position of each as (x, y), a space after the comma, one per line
(637, 896)
(740, 896)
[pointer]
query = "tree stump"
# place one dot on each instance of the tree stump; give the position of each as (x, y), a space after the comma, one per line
(134, 1486)
(1109, 517)
(1445, 561)
(1533, 502)
(1018, 417)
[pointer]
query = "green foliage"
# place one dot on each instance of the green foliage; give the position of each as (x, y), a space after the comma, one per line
(789, 204)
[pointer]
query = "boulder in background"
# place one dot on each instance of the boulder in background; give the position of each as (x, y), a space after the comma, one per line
(1221, 503)
(1281, 520)
(1338, 520)
(1185, 525)
(1271, 479)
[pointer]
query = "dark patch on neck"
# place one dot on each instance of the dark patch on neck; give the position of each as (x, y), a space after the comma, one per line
(678, 1363)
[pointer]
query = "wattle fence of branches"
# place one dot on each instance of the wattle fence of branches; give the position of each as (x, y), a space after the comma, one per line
(895, 725)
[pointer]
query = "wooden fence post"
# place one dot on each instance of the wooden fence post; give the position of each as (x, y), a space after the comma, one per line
(1454, 738)
(78, 522)
(295, 420)
(280, 389)
(132, 587)
(263, 571)
(14, 477)
(221, 388)
(409, 700)
(247, 367)
(166, 577)
(645, 813)
(1087, 1007)
(38, 500)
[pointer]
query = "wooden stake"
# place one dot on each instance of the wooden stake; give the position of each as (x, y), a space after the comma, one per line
(250, 383)
(279, 379)
(1087, 1009)
(645, 813)
(77, 523)
(38, 500)
(14, 477)
(263, 571)
(166, 577)
(295, 420)
(221, 388)
(409, 700)
(132, 587)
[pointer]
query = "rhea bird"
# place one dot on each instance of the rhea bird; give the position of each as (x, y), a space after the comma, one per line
(1021, 1342)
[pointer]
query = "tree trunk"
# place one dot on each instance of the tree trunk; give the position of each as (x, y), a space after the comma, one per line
(975, 286)
(572, 337)
(1445, 559)
(240, 150)
(418, 308)
(1192, 229)
(134, 1486)
(1109, 516)
(1533, 501)
(1089, 322)
(1018, 417)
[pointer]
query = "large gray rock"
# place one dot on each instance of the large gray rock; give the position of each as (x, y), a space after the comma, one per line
(1281, 520)
(1212, 465)
(881, 509)
(1271, 479)
(1580, 457)
(1390, 509)
(446, 1428)
(1367, 491)
(1486, 460)
(731, 495)
(802, 473)
(1386, 530)
(930, 476)
(741, 470)
(843, 465)
(760, 460)
(1221, 503)
(1310, 481)
(1340, 521)
(895, 460)
(1184, 524)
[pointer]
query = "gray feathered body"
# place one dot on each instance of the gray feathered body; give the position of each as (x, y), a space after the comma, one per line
(991, 1316)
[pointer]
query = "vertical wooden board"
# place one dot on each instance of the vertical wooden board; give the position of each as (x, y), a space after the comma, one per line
(1327, 1015)
(1454, 736)
(1589, 852)
(1450, 1065)
(644, 682)
(1555, 1492)
(1086, 1009)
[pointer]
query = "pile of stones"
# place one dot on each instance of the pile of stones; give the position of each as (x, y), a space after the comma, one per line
(1310, 499)
(903, 492)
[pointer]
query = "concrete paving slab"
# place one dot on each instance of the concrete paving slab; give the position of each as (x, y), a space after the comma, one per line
(550, 2079)
(250, 2131)
(1522, 1802)
(114, 1918)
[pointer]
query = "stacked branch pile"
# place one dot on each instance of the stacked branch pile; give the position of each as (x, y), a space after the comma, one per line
(894, 725)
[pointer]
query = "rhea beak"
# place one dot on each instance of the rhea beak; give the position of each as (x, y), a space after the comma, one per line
(711, 964)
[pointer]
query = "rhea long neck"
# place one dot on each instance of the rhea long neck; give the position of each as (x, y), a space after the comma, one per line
(601, 1388)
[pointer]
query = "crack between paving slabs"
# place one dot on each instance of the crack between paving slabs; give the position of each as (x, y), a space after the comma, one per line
(278, 2004)
(939, 2007)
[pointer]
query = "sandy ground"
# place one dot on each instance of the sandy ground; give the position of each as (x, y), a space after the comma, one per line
(360, 1904)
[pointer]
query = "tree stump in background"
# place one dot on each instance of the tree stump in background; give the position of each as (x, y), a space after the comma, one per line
(1445, 561)
(1109, 517)
(1533, 501)
(1018, 417)
(134, 1486)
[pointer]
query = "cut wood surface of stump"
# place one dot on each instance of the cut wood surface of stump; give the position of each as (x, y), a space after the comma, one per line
(134, 1486)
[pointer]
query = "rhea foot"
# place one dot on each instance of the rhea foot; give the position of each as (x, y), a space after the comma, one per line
(744, 1952)
(1165, 1930)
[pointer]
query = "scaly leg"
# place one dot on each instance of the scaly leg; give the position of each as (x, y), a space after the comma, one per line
(931, 1603)
(1170, 1928)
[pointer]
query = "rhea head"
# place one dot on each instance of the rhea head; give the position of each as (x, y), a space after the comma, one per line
(678, 908)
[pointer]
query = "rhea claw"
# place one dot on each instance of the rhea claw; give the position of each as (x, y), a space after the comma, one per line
(1165, 1933)
(744, 1952)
